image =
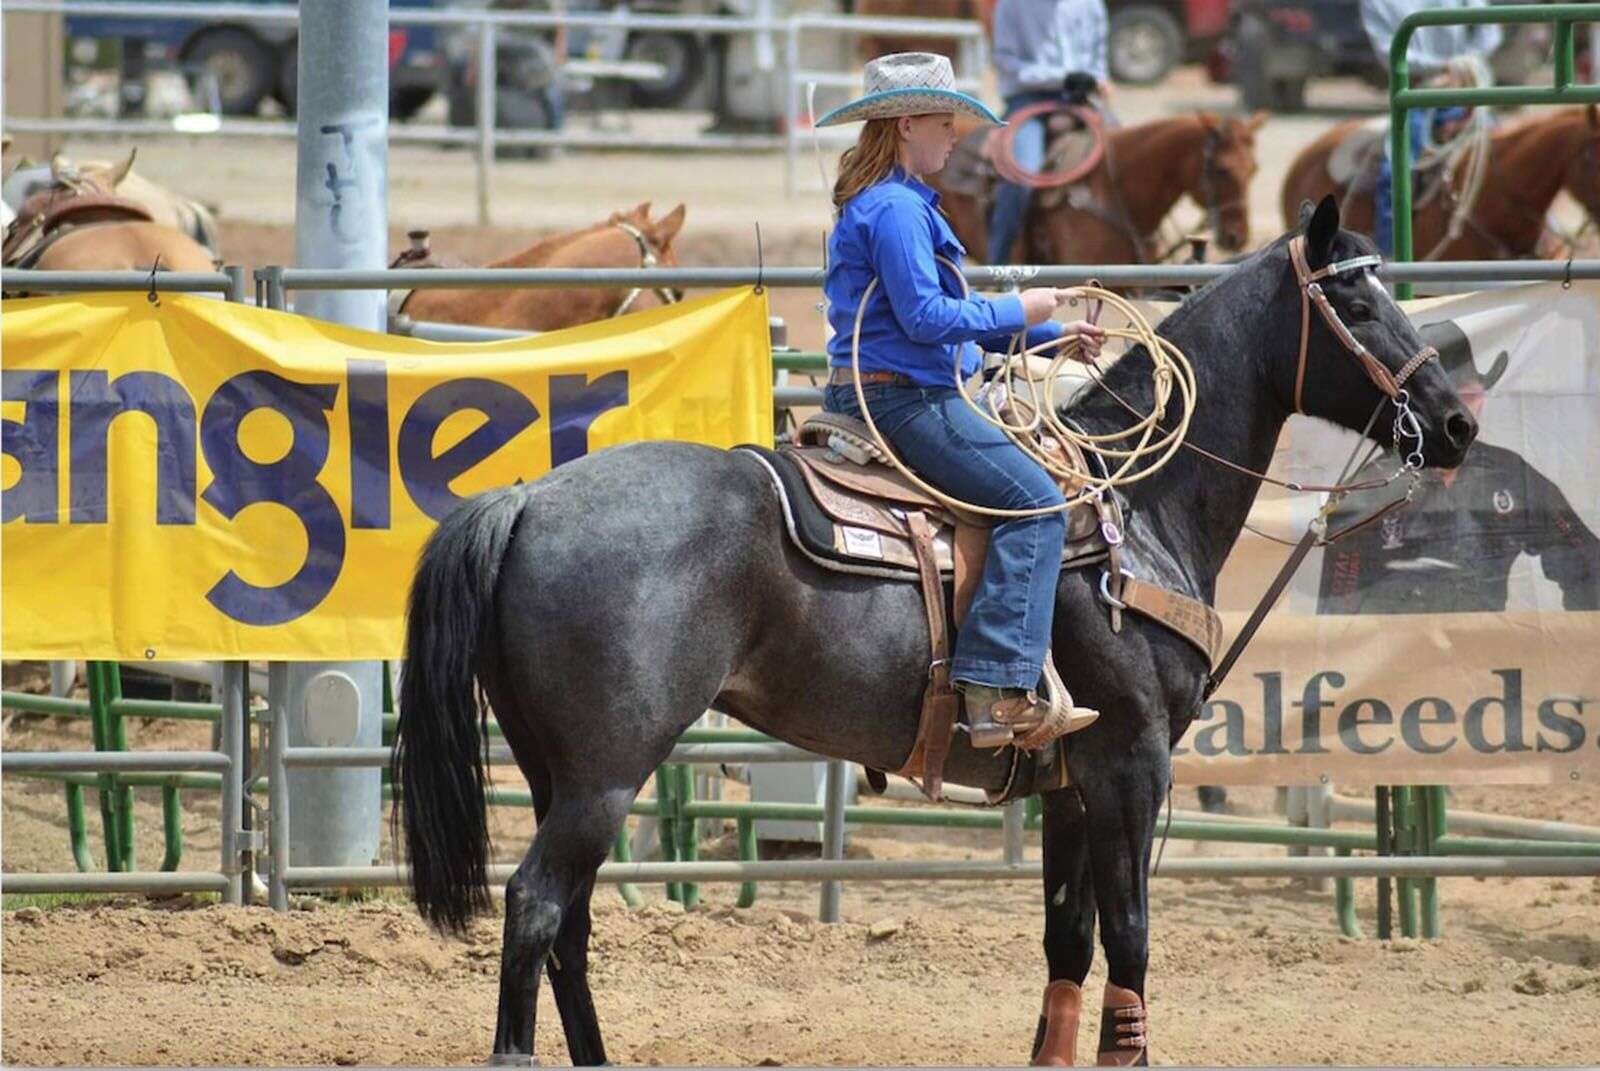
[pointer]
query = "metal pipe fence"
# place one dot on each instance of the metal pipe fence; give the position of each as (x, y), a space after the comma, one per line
(678, 811)
(486, 135)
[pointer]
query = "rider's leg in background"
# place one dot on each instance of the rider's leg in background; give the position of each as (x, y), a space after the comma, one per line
(1011, 200)
(1421, 122)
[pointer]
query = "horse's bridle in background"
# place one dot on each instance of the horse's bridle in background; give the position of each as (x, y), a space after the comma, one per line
(648, 258)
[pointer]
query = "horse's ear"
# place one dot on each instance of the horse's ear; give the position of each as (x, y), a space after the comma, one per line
(642, 210)
(667, 227)
(120, 171)
(1257, 121)
(1321, 231)
(1208, 121)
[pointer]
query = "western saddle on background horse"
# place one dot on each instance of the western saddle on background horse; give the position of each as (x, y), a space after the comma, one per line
(848, 510)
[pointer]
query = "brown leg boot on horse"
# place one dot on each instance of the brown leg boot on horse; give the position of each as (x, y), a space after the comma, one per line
(1063, 1006)
(997, 717)
(1124, 1029)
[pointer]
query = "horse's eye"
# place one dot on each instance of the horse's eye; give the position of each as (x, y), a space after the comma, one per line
(1360, 310)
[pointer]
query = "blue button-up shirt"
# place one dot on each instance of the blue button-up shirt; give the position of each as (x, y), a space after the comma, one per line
(916, 321)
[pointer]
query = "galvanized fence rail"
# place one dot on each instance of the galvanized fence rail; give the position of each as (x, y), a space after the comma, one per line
(1527, 851)
(971, 45)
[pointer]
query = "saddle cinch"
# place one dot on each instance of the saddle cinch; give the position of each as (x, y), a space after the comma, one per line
(848, 510)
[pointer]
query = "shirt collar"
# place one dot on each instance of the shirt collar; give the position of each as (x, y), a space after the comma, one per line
(902, 176)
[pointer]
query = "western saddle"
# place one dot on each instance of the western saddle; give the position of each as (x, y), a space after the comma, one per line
(848, 510)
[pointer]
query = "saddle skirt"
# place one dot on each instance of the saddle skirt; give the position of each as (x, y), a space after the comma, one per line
(849, 510)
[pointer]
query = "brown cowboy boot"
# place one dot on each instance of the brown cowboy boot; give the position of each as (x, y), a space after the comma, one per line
(1000, 716)
(1058, 1025)
(1124, 1029)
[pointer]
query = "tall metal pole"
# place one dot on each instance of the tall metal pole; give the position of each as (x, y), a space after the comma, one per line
(341, 221)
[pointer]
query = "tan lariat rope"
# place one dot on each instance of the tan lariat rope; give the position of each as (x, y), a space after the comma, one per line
(1172, 370)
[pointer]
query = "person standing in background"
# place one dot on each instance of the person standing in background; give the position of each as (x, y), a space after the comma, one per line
(1044, 50)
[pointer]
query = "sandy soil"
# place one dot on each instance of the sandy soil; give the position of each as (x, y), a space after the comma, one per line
(1243, 972)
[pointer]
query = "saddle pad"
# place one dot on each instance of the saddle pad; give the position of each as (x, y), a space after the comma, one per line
(844, 533)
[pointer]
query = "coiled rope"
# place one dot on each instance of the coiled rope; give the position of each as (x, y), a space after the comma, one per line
(1153, 445)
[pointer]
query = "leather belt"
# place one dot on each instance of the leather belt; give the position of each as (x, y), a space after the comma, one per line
(843, 377)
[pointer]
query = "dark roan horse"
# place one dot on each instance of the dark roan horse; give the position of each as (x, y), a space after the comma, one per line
(605, 607)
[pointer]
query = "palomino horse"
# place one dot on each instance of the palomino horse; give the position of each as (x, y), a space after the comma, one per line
(163, 206)
(626, 240)
(80, 224)
(1114, 216)
(1530, 162)
(604, 607)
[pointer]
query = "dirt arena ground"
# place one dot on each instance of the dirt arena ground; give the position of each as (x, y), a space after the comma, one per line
(1243, 972)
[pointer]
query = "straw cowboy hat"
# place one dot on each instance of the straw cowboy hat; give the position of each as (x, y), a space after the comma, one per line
(908, 83)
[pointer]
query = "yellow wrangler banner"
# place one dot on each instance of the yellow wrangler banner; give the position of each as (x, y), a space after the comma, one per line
(206, 480)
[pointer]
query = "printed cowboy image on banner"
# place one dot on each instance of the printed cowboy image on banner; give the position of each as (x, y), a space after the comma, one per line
(204, 480)
(1460, 635)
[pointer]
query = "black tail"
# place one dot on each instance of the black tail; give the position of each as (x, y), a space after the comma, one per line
(438, 756)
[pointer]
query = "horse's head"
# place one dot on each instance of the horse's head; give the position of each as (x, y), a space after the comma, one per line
(1221, 182)
(1358, 346)
(658, 234)
(1583, 174)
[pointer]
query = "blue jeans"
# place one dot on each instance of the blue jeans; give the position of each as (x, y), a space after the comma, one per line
(1010, 200)
(1028, 148)
(1004, 636)
(1422, 121)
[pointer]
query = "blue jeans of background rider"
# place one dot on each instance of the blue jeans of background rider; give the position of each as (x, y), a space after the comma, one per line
(1422, 122)
(1011, 201)
(1003, 638)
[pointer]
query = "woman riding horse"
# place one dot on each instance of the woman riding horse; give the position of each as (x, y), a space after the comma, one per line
(916, 330)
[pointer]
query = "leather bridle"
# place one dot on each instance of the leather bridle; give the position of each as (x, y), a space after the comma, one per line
(648, 258)
(1310, 283)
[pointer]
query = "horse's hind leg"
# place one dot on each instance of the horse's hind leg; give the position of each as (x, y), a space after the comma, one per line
(550, 889)
(1068, 927)
(568, 964)
(569, 982)
(1122, 796)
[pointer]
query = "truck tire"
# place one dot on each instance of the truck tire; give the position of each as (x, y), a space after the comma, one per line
(680, 53)
(246, 69)
(1144, 42)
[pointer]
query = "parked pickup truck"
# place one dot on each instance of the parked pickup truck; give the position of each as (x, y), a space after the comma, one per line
(251, 61)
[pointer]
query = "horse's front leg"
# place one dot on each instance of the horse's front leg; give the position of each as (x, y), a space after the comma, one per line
(1122, 788)
(1068, 927)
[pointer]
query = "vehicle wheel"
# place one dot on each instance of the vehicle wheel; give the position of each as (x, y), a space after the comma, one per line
(1144, 42)
(289, 77)
(515, 109)
(683, 57)
(406, 103)
(245, 69)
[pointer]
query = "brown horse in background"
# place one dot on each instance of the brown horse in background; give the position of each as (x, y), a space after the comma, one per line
(1114, 215)
(626, 240)
(1530, 162)
(81, 224)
